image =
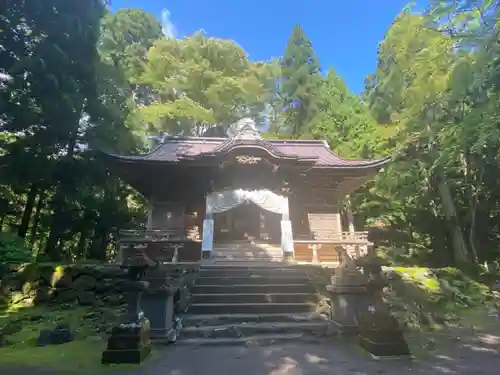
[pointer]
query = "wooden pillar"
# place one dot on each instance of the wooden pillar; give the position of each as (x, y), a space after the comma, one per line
(149, 225)
(208, 231)
(350, 217)
(286, 231)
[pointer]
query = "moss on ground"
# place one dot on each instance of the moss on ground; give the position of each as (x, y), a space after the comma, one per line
(422, 297)
(40, 296)
(90, 327)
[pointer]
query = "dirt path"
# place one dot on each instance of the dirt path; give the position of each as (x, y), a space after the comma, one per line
(458, 354)
(332, 359)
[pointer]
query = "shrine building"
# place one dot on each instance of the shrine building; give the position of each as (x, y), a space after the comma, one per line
(205, 193)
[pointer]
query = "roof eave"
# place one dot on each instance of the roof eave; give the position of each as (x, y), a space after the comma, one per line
(372, 164)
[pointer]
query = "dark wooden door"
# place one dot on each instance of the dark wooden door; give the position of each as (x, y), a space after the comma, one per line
(246, 222)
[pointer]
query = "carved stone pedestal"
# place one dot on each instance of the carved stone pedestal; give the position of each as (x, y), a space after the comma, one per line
(347, 291)
(130, 341)
(159, 304)
(380, 334)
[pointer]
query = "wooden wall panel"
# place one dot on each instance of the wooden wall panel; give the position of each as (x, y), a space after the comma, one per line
(303, 252)
(192, 225)
(327, 253)
(168, 216)
(324, 226)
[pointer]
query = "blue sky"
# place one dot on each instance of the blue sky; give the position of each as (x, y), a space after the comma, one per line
(345, 33)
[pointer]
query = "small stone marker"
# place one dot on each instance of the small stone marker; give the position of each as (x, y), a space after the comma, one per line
(61, 334)
(130, 341)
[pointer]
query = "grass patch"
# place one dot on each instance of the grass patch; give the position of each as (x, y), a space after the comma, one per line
(90, 326)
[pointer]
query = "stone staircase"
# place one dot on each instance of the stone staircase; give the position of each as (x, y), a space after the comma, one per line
(246, 252)
(247, 299)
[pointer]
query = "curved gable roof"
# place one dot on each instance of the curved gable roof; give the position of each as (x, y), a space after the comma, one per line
(175, 149)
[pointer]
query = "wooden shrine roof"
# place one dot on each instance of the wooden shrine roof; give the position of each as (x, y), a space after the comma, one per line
(316, 152)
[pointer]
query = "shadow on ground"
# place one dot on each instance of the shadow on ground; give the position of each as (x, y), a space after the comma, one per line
(454, 352)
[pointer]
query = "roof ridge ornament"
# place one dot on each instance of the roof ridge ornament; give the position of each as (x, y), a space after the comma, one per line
(246, 129)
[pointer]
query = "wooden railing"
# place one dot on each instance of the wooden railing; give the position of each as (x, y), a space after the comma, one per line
(340, 237)
(148, 235)
(168, 251)
(349, 237)
(356, 244)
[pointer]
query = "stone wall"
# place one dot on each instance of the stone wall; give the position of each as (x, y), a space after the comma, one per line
(87, 285)
(45, 283)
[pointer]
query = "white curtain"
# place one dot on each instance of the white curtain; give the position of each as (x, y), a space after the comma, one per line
(208, 235)
(286, 236)
(266, 199)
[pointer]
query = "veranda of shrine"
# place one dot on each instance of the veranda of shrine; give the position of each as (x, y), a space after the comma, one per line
(205, 192)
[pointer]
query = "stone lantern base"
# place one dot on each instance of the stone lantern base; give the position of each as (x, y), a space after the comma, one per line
(380, 334)
(347, 290)
(130, 342)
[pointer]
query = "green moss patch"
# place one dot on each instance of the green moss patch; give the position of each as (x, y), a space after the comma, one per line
(38, 296)
(423, 297)
(86, 297)
(20, 327)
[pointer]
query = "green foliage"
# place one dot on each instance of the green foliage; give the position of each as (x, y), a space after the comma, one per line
(299, 82)
(345, 122)
(422, 297)
(433, 86)
(13, 249)
(65, 99)
(198, 83)
(83, 79)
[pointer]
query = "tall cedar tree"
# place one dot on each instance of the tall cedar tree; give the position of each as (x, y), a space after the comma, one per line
(300, 80)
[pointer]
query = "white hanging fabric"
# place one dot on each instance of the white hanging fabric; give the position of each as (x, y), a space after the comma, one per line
(226, 200)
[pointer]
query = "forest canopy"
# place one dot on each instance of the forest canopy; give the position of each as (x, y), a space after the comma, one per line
(76, 78)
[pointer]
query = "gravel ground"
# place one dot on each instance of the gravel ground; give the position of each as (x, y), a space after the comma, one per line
(458, 353)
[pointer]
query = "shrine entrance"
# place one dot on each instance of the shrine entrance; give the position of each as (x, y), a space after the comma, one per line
(242, 215)
(247, 222)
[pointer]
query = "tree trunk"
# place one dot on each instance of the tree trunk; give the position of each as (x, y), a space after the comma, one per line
(36, 219)
(56, 229)
(460, 251)
(28, 211)
(82, 244)
(473, 213)
(97, 249)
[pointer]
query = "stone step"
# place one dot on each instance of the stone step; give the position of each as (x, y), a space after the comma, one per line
(252, 280)
(223, 319)
(253, 289)
(259, 340)
(244, 329)
(247, 251)
(251, 266)
(223, 260)
(249, 271)
(254, 298)
(239, 257)
(250, 308)
(246, 245)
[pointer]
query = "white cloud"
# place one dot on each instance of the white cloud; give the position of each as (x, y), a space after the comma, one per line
(168, 27)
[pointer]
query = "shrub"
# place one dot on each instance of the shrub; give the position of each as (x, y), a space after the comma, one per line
(13, 249)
